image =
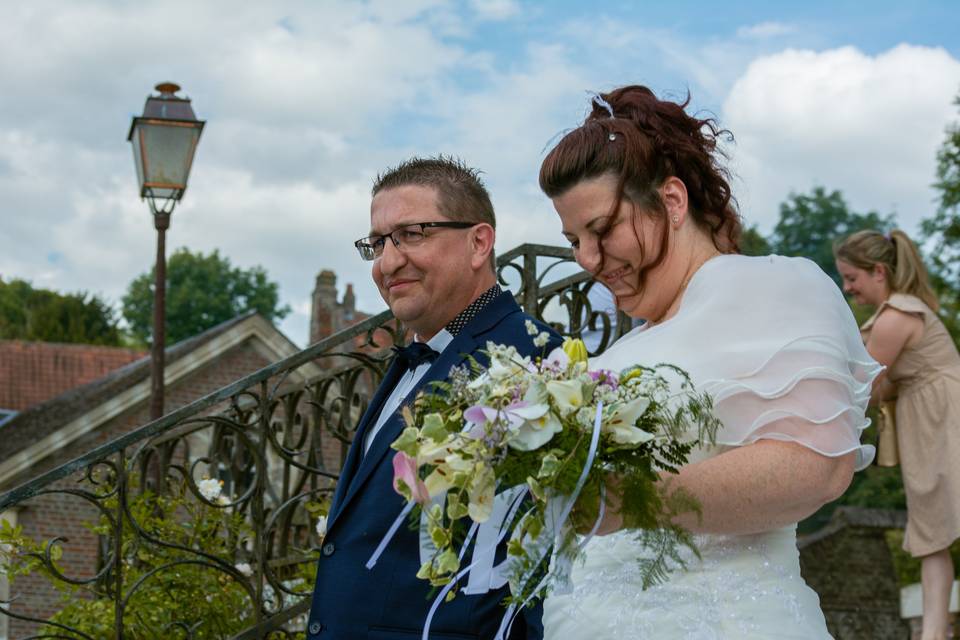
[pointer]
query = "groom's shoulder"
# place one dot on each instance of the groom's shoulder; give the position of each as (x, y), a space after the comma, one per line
(514, 328)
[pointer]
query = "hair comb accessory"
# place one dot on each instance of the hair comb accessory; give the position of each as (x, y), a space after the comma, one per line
(598, 100)
(888, 237)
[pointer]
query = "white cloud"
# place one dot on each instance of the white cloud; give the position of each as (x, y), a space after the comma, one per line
(867, 125)
(298, 97)
(305, 102)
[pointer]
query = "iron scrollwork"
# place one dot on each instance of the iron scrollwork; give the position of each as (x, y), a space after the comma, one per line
(249, 469)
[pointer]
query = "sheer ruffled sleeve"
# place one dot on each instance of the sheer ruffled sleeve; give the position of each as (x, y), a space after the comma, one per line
(774, 343)
(792, 365)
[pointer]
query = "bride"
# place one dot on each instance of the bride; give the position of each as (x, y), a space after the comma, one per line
(648, 212)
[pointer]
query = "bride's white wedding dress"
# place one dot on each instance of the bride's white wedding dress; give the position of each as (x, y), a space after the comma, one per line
(774, 343)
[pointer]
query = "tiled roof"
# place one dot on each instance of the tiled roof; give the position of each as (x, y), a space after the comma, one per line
(45, 418)
(33, 372)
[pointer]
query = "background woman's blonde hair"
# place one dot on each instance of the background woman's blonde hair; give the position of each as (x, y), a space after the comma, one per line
(899, 257)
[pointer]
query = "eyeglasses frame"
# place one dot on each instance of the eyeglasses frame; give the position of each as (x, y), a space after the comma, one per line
(438, 224)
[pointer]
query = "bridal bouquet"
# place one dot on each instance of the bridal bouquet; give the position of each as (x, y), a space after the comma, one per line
(512, 447)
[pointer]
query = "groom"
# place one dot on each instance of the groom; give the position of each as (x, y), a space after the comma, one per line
(432, 231)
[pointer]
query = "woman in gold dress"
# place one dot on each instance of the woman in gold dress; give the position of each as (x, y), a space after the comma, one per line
(923, 372)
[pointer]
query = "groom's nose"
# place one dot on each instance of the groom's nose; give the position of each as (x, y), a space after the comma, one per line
(391, 259)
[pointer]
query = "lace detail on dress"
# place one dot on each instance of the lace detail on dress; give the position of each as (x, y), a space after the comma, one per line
(726, 594)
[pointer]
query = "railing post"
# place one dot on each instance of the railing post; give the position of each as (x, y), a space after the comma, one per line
(259, 541)
(118, 544)
(530, 282)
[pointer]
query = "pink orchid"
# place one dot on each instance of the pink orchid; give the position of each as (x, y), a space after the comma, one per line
(405, 471)
(530, 424)
(513, 414)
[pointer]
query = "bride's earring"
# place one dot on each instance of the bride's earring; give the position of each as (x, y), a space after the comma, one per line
(675, 219)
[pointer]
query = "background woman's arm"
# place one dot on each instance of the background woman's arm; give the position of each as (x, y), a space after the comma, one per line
(892, 332)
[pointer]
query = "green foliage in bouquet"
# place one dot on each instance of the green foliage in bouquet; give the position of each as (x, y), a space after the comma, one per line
(529, 424)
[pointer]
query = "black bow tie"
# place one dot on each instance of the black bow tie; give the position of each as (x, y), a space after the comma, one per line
(415, 354)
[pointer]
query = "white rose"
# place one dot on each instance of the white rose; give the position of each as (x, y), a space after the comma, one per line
(210, 489)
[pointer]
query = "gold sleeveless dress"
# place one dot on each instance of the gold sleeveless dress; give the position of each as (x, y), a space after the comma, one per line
(927, 376)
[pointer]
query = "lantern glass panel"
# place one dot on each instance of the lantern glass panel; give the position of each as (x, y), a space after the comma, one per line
(166, 153)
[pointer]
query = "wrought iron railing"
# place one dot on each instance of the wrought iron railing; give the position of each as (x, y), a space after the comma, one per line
(243, 472)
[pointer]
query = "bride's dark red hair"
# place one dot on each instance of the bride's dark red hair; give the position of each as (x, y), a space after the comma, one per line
(645, 142)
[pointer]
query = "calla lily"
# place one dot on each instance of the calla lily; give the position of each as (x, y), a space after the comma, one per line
(406, 482)
(481, 495)
(568, 394)
(620, 425)
(536, 393)
(575, 349)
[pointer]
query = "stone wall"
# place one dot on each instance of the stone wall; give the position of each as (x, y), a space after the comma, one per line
(848, 563)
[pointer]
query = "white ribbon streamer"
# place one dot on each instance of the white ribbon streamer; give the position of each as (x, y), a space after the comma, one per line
(392, 531)
(446, 589)
(513, 610)
(552, 530)
(485, 576)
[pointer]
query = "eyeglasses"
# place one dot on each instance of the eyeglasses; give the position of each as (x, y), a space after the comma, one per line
(409, 235)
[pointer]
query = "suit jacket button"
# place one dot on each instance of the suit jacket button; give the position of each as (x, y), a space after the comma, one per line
(315, 628)
(328, 549)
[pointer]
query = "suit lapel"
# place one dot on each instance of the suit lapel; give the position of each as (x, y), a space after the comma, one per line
(453, 355)
(369, 418)
(359, 467)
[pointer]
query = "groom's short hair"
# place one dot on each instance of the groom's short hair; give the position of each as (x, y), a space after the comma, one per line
(461, 194)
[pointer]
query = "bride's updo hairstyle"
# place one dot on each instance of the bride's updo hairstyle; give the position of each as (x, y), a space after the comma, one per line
(897, 254)
(642, 140)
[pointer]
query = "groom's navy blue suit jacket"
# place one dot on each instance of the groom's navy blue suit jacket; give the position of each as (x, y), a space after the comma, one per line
(389, 602)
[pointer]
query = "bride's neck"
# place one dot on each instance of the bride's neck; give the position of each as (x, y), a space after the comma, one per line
(695, 259)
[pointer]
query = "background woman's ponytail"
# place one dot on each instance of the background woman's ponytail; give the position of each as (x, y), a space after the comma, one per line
(910, 274)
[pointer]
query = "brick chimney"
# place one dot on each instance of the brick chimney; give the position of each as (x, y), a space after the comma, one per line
(325, 312)
(349, 305)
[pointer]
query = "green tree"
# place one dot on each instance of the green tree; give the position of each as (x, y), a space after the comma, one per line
(810, 223)
(943, 228)
(752, 243)
(945, 224)
(202, 291)
(27, 313)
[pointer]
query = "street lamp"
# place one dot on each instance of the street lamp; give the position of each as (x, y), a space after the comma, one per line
(164, 140)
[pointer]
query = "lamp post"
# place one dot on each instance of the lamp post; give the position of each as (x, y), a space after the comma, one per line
(164, 140)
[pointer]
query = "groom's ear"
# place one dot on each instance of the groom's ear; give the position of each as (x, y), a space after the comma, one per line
(482, 239)
(673, 193)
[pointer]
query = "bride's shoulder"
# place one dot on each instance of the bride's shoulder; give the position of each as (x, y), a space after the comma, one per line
(770, 275)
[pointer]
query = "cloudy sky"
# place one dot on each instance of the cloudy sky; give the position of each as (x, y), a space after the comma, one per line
(306, 101)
